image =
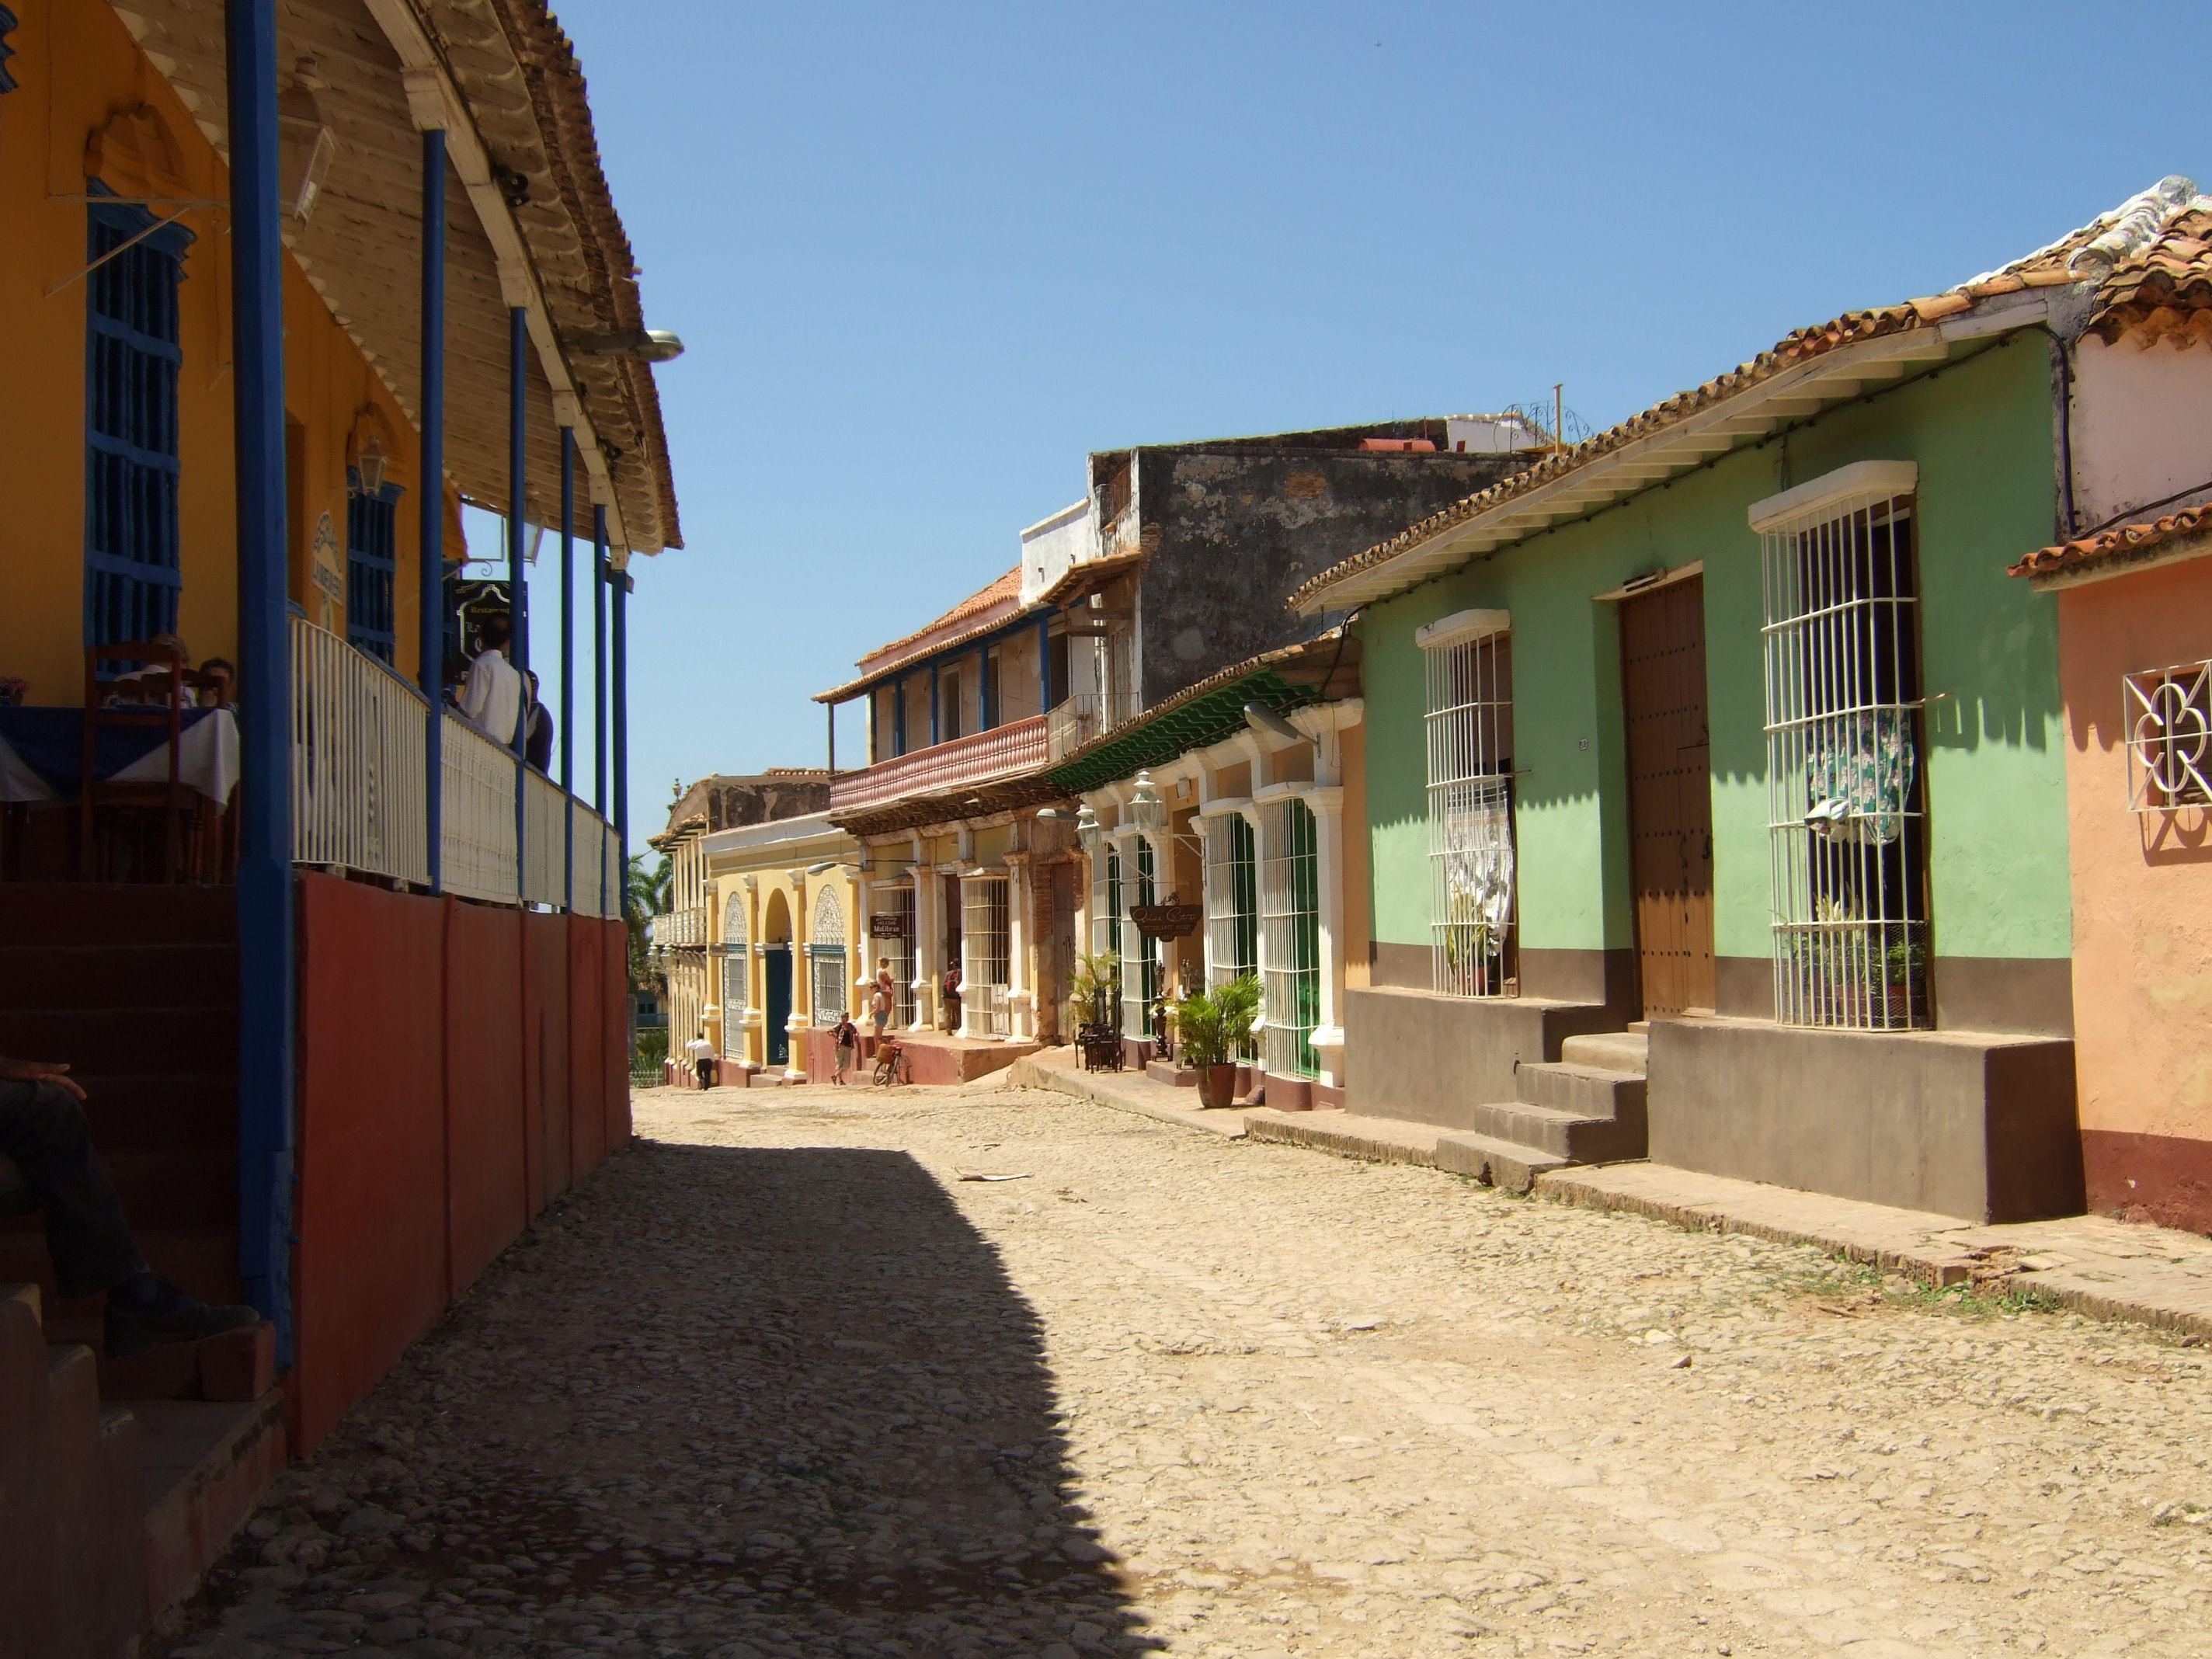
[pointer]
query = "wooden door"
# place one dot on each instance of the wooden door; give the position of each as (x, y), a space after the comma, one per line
(1670, 799)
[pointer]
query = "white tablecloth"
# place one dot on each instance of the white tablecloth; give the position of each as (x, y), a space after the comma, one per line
(207, 760)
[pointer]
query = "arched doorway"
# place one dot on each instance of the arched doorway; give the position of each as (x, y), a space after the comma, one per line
(775, 965)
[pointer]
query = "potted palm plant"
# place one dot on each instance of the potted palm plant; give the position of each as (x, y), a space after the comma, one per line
(1210, 1025)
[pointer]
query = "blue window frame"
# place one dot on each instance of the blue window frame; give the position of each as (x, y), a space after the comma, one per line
(372, 565)
(133, 573)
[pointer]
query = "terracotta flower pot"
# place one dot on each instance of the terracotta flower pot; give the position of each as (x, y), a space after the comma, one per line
(1216, 1085)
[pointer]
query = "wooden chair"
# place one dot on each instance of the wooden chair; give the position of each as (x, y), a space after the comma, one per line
(167, 714)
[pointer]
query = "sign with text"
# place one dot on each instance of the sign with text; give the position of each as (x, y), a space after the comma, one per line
(887, 925)
(1164, 920)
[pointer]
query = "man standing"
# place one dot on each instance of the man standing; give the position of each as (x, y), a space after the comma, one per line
(492, 696)
(702, 1058)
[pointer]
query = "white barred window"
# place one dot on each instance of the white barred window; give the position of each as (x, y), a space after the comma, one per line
(825, 951)
(985, 951)
(1140, 957)
(1232, 900)
(897, 902)
(1469, 662)
(1290, 911)
(1846, 790)
(737, 974)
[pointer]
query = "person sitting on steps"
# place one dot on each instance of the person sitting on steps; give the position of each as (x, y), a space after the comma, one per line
(43, 1133)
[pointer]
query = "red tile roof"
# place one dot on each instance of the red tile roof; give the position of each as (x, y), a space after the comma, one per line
(2149, 259)
(1007, 588)
(2121, 544)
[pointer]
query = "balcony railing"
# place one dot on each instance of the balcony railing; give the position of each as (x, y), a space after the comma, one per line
(1086, 716)
(683, 929)
(1002, 751)
(357, 738)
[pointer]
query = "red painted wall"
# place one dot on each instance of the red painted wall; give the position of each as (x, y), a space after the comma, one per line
(459, 1066)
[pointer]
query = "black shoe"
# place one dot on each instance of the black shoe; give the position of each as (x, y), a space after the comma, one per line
(139, 1319)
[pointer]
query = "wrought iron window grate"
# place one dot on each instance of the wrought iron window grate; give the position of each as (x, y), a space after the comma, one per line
(1846, 819)
(1232, 905)
(985, 955)
(826, 958)
(1290, 920)
(898, 901)
(133, 575)
(737, 974)
(1472, 926)
(1140, 957)
(2169, 716)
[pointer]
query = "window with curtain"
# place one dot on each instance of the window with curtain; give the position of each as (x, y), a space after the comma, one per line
(1469, 728)
(1289, 916)
(372, 566)
(1847, 817)
(133, 354)
(986, 955)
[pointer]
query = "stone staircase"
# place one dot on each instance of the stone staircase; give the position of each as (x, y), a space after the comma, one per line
(1586, 1107)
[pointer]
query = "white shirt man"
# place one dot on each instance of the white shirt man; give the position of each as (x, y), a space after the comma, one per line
(492, 694)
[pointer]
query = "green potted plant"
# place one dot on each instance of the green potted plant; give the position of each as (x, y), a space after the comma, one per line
(1210, 1025)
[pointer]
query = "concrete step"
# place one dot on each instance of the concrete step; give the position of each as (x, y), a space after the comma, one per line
(201, 1262)
(1568, 1136)
(1586, 1090)
(1493, 1161)
(1607, 1051)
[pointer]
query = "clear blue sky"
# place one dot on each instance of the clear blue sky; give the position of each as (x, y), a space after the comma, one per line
(925, 257)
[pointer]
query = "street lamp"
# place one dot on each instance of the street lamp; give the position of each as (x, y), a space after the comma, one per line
(1088, 830)
(1266, 721)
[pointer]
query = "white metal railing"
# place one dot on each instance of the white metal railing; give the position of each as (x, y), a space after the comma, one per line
(477, 813)
(358, 734)
(1084, 717)
(357, 790)
(1003, 750)
(544, 867)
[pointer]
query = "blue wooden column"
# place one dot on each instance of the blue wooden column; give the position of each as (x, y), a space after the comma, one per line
(517, 601)
(265, 708)
(568, 664)
(601, 576)
(621, 580)
(936, 708)
(430, 673)
(898, 716)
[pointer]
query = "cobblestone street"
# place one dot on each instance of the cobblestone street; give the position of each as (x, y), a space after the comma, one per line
(778, 1382)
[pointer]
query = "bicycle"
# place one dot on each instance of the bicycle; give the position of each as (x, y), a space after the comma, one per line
(891, 1065)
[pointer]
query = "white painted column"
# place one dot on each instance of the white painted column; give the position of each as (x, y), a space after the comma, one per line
(1250, 812)
(1021, 1000)
(1325, 802)
(802, 981)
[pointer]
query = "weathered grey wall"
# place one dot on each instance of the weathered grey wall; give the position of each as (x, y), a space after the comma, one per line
(1233, 529)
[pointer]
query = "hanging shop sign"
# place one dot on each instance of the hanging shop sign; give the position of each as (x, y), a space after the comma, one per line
(1166, 920)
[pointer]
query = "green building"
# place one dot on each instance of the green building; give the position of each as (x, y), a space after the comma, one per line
(1715, 774)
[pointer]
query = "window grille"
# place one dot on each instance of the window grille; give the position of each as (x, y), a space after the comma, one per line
(897, 902)
(372, 565)
(1472, 926)
(1847, 825)
(825, 952)
(1290, 914)
(133, 358)
(737, 974)
(1140, 957)
(2169, 715)
(1232, 900)
(985, 950)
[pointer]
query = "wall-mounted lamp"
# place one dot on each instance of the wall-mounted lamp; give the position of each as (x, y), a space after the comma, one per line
(653, 345)
(1088, 830)
(1266, 721)
(370, 462)
(1147, 809)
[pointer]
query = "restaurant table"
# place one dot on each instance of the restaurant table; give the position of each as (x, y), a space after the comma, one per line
(42, 754)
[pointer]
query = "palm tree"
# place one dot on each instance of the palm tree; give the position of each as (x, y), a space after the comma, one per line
(651, 889)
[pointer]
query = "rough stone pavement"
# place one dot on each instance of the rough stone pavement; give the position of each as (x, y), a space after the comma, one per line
(779, 1382)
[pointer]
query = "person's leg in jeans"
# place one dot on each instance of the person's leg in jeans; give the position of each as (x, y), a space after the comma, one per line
(45, 1133)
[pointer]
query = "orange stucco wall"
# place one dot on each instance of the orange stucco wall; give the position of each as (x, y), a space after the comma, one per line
(78, 67)
(2143, 908)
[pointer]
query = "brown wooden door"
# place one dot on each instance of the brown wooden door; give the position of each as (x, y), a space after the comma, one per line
(1670, 797)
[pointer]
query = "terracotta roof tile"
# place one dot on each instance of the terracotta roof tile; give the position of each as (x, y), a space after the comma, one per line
(1007, 587)
(2121, 544)
(2150, 257)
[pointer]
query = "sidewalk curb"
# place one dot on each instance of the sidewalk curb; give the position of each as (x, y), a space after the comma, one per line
(1943, 1251)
